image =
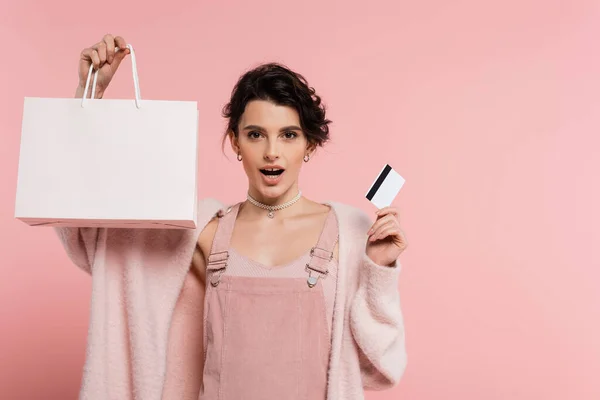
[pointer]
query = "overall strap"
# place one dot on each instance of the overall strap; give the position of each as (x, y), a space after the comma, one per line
(322, 253)
(219, 253)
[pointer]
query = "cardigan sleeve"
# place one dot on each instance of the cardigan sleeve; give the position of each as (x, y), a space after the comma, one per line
(377, 325)
(79, 244)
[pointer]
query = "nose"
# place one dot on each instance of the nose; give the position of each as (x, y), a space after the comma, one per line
(272, 151)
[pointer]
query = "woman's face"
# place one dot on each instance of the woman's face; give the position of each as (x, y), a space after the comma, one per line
(272, 146)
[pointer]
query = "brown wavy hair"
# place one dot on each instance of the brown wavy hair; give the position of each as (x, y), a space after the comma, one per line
(277, 83)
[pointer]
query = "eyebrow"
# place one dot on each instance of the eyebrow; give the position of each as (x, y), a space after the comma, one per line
(285, 128)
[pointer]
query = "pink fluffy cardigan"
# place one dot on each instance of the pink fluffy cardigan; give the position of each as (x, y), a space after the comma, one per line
(138, 274)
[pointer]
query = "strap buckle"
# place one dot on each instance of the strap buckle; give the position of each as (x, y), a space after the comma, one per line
(319, 254)
(310, 268)
(217, 262)
(312, 280)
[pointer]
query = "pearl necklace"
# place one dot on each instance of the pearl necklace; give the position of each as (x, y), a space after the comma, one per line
(272, 209)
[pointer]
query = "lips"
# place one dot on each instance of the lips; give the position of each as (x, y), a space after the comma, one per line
(272, 174)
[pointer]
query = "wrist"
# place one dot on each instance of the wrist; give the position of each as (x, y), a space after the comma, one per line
(382, 263)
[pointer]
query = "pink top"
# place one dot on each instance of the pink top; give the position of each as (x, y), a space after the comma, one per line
(240, 265)
(267, 329)
(244, 266)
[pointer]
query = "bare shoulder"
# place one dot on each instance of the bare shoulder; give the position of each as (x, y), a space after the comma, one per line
(316, 209)
(205, 239)
(203, 247)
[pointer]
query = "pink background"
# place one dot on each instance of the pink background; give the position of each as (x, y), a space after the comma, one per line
(490, 110)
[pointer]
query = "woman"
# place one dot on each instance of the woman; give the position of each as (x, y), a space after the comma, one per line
(274, 297)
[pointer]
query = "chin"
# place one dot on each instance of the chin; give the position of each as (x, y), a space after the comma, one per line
(271, 192)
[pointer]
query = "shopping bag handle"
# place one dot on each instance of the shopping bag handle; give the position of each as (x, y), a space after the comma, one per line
(136, 81)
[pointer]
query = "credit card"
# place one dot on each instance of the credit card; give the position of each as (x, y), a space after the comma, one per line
(385, 188)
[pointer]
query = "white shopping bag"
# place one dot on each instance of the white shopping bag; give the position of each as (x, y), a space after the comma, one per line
(108, 162)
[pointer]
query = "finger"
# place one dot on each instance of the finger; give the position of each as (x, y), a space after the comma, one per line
(101, 49)
(86, 56)
(386, 211)
(109, 40)
(122, 53)
(397, 235)
(122, 45)
(385, 231)
(381, 221)
(375, 232)
(95, 58)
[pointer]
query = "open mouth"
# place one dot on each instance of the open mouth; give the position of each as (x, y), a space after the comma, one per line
(272, 172)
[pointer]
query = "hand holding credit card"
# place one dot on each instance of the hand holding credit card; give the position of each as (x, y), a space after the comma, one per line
(385, 188)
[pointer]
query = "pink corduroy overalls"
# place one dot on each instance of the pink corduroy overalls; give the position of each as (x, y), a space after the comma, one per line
(267, 329)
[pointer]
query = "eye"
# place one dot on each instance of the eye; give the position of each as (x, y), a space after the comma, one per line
(254, 134)
(290, 135)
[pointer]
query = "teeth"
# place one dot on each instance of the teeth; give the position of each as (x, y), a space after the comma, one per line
(272, 173)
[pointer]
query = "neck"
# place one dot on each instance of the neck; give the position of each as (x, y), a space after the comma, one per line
(250, 211)
(289, 195)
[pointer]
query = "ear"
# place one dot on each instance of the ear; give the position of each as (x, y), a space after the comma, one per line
(235, 145)
(310, 148)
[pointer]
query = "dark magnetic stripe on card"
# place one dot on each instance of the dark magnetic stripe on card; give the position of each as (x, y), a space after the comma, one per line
(379, 182)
